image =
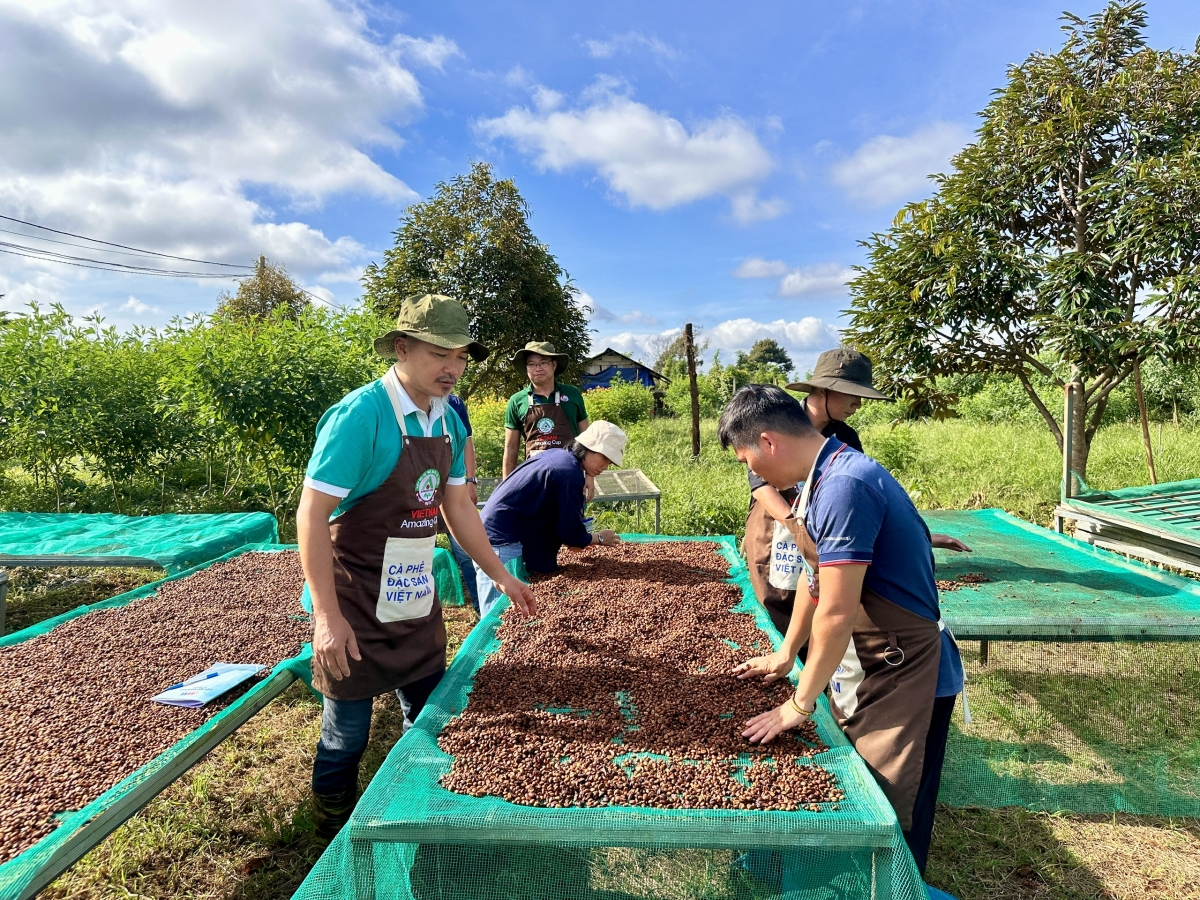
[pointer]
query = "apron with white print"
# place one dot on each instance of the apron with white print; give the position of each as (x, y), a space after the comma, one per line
(383, 571)
(546, 426)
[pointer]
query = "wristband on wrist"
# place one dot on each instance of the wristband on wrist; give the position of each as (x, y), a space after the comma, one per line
(798, 708)
(472, 480)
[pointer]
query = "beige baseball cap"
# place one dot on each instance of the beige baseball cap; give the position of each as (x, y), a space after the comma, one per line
(605, 438)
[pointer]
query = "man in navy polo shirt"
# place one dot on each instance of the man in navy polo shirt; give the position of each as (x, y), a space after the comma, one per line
(870, 611)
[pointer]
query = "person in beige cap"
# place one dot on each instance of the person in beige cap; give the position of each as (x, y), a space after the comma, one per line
(539, 508)
(547, 414)
(388, 463)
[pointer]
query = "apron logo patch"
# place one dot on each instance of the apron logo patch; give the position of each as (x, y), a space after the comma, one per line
(545, 426)
(427, 484)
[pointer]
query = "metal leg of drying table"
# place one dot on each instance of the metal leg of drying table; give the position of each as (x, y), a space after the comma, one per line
(658, 515)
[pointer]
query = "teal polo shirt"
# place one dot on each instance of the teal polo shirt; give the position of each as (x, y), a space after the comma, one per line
(518, 405)
(358, 443)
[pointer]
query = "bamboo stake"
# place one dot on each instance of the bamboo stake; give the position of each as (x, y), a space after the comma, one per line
(1141, 399)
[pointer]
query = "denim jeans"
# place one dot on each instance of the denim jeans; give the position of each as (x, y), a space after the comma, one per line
(467, 567)
(345, 728)
(485, 588)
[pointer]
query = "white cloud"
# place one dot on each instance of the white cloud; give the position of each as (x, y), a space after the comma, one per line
(137, 307)
(630, 42)
(820, 279)
(802, 338)
(757, 267)
(432, 53)
(823, 278)
(149, 123)
(886, 168)
(648, 157)
(748, 208)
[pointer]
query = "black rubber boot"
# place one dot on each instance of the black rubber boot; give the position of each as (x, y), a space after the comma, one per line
(331, 811)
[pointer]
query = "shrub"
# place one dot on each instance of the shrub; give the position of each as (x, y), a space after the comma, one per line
(487, 427)
(625, 403)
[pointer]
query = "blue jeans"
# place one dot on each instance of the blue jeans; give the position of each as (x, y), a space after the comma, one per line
(485, 588)
(467, 567)
(345, 728)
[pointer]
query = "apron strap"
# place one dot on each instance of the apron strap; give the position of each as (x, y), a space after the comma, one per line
(942, 626)
(393, 387)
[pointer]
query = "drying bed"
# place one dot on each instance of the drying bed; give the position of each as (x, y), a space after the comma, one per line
(411, 836)
(82, 746)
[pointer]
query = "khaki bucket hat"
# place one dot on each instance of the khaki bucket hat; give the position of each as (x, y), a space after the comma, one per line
(435, 319)
(545, 348)
(604, 438)
(843, 370)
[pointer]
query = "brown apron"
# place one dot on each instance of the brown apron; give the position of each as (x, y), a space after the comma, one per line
(882, 693)
(546, 426)
(383, 572)
(760, 538)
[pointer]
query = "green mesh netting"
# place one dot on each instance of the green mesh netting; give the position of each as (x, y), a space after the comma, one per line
(82, 829)
(1083, 674)
(411, 838)
(175, 542)
(447, 578)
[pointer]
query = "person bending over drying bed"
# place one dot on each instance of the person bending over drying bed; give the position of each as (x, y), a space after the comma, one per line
(387, 456)
(868, 608)
(539, 507)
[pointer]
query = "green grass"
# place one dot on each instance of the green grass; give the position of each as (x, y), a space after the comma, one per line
(239, 825)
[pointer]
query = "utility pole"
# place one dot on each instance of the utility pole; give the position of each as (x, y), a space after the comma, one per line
(690, 344)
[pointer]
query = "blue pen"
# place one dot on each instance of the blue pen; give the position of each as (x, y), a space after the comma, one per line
(193, 681)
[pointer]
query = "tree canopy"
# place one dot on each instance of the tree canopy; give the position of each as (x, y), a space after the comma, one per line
(472, 241)
(766, 354)
(270, 288)
(1064, 243)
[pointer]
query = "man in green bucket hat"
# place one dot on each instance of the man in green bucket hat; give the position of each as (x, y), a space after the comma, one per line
(547, 414)
(388, 463)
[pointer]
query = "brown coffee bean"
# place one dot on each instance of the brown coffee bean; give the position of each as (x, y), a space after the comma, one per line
(620, 694)
(75, 709)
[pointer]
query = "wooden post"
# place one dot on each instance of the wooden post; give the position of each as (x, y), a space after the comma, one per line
(690, 344)
(1068, 433)
(1141, 399)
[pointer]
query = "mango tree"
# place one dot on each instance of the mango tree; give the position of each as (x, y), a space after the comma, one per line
(1065, 242)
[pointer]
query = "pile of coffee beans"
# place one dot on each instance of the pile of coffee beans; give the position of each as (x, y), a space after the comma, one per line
(75, 709)
(620, 693)
(967, 578)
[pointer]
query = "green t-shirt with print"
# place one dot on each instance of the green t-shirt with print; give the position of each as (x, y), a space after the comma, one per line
(572, 406)
(358, 444)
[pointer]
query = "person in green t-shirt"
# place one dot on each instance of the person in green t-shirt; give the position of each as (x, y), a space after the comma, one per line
(388, 463)
(546, 414)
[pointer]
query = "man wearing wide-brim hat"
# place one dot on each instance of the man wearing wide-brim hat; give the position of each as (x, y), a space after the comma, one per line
(546, 415)
(840, 382)
(388, 463)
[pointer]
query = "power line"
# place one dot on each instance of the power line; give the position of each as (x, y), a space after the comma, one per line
(55, 256)
(34, 237)
(162, 273)
(123, 246)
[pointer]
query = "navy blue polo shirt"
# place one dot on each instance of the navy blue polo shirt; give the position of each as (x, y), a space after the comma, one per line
(540, 506)
(859, 513)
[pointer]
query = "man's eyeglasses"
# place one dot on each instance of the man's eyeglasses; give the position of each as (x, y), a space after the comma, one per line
(539, 365)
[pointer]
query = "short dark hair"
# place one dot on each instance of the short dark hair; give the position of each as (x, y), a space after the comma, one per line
(577, 450)
(761, 407)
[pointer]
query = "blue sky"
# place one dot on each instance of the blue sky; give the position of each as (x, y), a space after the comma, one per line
(706, 162)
